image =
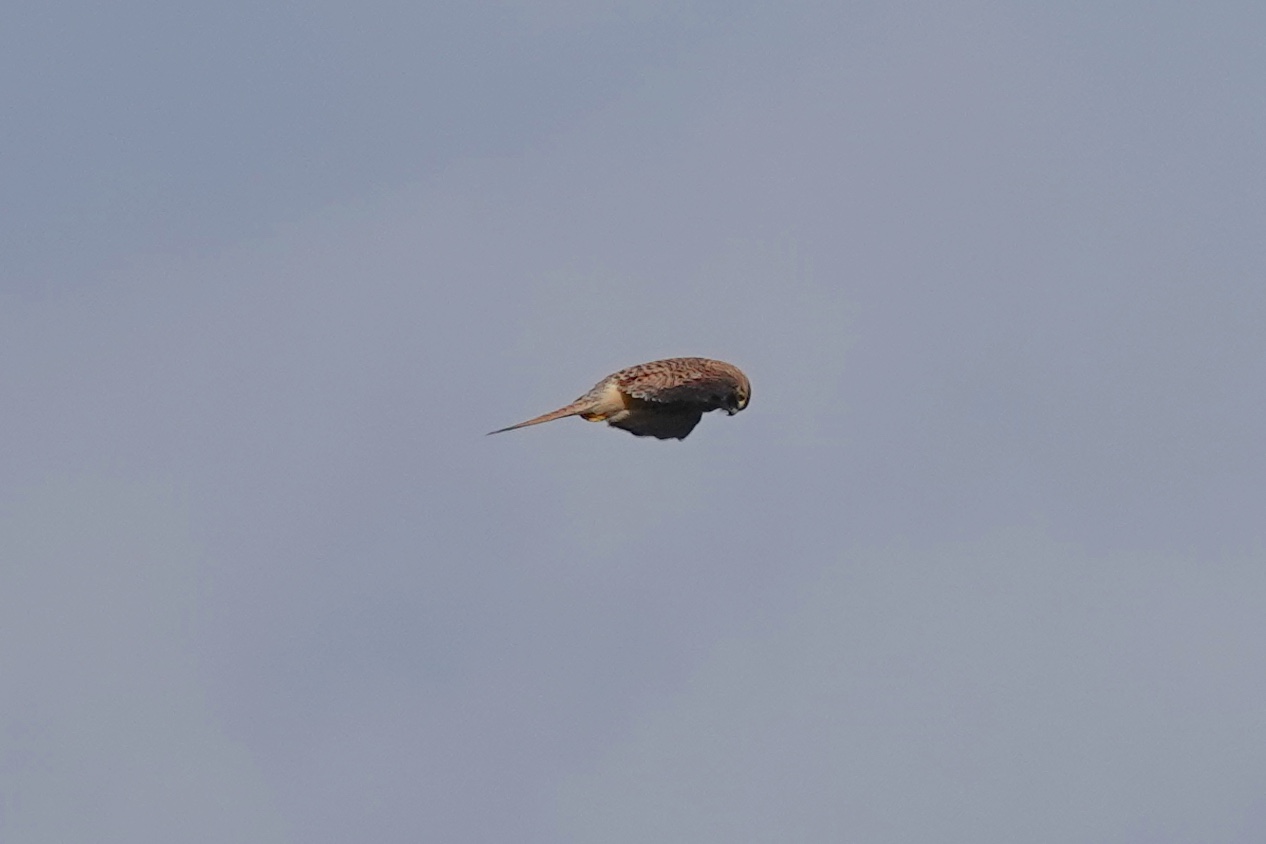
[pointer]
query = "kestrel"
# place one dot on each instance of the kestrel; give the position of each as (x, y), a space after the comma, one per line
(663, 399)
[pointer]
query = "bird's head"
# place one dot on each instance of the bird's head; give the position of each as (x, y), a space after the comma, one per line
(738, 397)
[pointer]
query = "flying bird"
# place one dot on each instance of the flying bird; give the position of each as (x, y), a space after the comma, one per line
(663, 399)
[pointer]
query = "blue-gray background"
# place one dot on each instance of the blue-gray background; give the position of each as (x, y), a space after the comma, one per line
(984, 561)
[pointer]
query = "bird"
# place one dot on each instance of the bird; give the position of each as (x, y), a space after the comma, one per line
(664, 399)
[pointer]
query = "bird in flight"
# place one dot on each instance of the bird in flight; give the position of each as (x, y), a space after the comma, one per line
(663, 399)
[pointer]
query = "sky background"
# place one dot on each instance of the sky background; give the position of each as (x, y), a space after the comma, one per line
(984, 561)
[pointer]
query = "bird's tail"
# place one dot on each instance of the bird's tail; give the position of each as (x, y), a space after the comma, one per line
(576, 408)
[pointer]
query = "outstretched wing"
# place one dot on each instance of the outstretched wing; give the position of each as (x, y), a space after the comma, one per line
(680, 381)
(662, 422)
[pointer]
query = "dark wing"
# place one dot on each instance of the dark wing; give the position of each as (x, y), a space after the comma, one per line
(659, 421)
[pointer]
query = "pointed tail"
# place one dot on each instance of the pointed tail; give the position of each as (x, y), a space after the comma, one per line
(573, 409)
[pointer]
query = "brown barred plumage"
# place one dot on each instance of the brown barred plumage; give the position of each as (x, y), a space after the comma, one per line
(663, 399)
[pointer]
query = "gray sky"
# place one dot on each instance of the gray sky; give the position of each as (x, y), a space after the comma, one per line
(983, 561)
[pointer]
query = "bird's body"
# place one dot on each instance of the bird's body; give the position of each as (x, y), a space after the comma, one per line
(663, 399)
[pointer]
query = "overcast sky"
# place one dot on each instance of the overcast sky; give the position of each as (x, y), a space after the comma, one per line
(984, 561)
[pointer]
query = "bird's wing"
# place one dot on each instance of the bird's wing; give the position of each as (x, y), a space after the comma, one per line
(699, 388)
(665, 423)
